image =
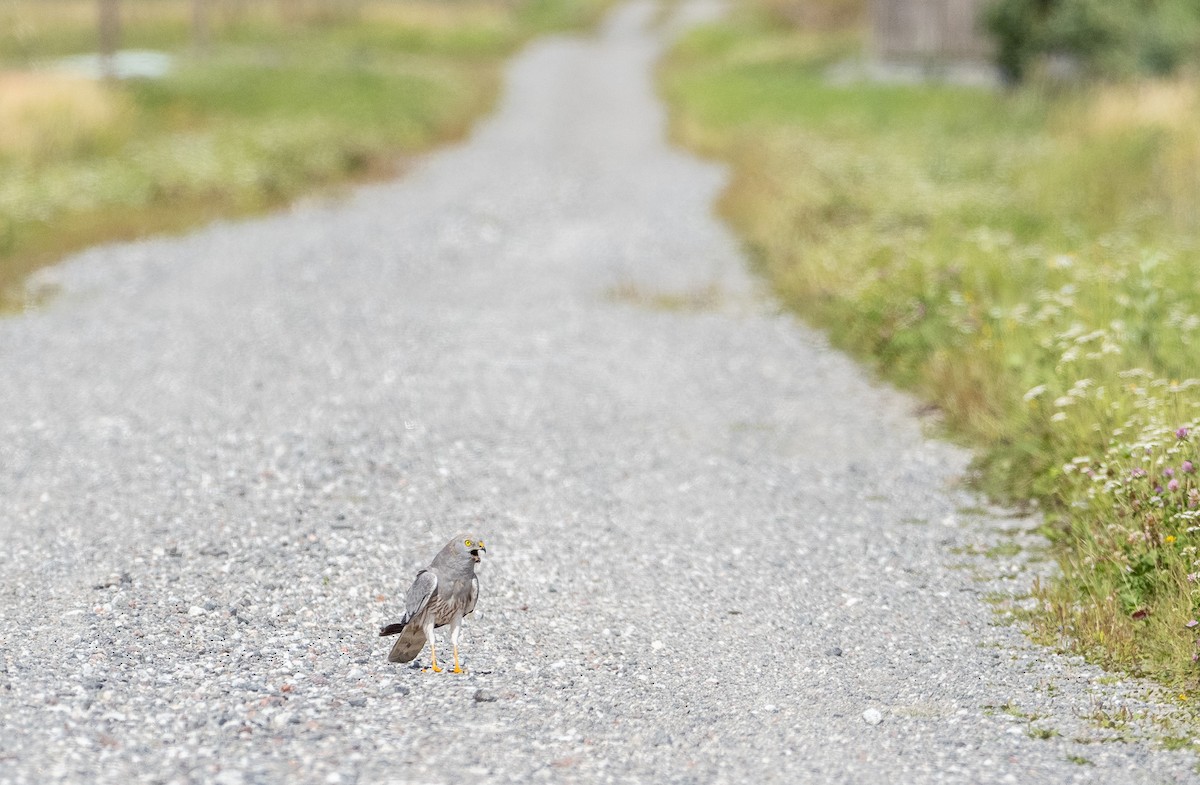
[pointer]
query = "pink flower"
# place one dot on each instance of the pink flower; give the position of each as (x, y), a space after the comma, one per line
(1168, 472)
(1173, 485)
(1181, 434)
(1187, 467)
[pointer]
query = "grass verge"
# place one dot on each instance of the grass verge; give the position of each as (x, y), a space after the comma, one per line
(285, 98)
(1024, 260)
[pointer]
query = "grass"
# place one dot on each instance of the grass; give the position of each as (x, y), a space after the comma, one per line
(1024, 261)
(706, 298)
(285, 98)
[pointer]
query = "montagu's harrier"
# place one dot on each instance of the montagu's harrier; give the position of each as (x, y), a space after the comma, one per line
(443, 593)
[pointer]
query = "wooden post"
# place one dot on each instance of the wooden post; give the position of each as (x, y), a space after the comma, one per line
(289, 11)
(110, 36)
(200, 25)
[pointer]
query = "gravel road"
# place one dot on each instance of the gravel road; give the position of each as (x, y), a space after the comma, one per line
(717, 552)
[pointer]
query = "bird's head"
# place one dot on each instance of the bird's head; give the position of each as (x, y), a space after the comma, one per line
(469, 545)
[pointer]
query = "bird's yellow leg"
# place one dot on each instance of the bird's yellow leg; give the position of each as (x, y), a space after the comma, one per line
(433, 656)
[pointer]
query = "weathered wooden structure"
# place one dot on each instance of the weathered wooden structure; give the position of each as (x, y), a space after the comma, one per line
(928, 31)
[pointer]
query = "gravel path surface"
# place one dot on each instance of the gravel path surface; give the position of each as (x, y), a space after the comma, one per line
(717, 551)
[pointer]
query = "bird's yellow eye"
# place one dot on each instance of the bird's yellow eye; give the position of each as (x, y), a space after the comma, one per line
(467, 543)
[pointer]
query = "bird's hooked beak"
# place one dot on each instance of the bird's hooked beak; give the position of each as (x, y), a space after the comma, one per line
(476, 551)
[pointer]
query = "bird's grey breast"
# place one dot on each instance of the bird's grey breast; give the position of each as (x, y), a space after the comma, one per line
(453, 594)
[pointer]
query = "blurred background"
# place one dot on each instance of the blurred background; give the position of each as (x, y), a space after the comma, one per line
(1062, 39)
(124, 117)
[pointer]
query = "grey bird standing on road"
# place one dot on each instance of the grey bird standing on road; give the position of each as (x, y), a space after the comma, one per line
(443, 593)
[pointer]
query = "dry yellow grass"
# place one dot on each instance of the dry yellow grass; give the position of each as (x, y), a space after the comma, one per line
(1162, 104)
(42, 113)
(30, 18)
(437, 14)
(824, 15)
(1172, 110)
(37, 16)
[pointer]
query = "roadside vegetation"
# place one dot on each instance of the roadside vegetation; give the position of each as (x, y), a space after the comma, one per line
(1024, 259)
(1095, 38)
(282, 98)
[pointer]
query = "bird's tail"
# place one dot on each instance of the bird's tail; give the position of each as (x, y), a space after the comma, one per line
(408, 645)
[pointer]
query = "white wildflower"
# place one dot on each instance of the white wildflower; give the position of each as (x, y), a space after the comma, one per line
(1034, 392)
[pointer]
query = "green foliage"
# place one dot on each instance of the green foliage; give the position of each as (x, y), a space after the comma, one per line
(550, 15)
(1025, 264)
(1107, 38)
(1014, 26)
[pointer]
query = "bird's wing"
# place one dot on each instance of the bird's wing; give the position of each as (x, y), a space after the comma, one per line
(417, 600)
(472, 596)
(419, 593)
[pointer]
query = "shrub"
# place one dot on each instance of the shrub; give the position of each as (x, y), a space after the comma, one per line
(1103, 38)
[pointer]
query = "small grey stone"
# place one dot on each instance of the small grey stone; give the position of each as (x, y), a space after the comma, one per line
(484, 696)
(872, 716)
(833, 651)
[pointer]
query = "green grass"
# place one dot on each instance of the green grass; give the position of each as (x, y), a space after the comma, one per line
(1025, 261)
(1177, 742)
(273, 109)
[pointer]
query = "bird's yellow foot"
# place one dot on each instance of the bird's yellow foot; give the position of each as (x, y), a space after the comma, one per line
(458, 669)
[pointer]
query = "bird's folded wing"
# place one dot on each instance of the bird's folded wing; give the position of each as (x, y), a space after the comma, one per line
(419, 593)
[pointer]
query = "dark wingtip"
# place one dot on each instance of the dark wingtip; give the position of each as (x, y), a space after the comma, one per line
(391, 629)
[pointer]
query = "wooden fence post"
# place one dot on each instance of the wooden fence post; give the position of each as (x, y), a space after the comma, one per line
(110, 36)
(200, 25)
